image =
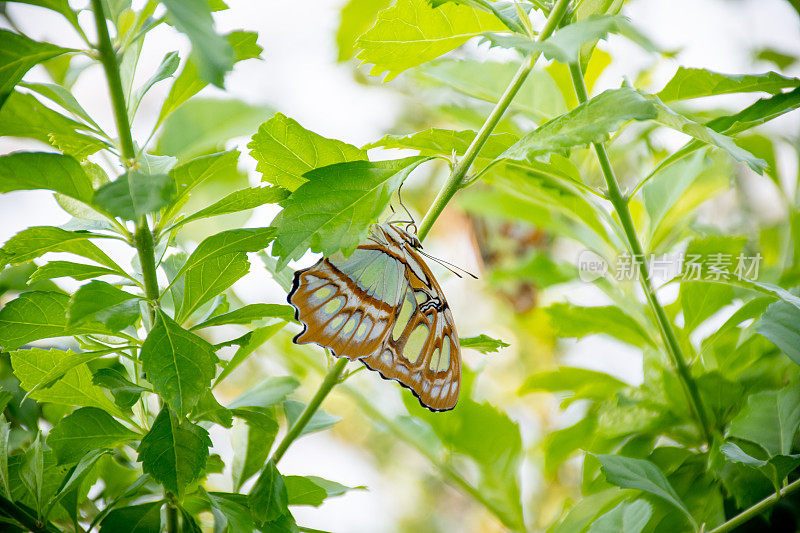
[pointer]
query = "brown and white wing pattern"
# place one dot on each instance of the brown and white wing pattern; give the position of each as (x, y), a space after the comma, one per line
(348, 305)
(422, 352)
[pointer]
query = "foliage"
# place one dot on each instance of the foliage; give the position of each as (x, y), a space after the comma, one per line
(111, 379)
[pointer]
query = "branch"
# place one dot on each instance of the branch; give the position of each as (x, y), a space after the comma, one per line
(456, 179)
(620, 204)
(757, 509)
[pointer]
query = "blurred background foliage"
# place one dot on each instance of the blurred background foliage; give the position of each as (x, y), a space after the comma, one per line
(584, 373)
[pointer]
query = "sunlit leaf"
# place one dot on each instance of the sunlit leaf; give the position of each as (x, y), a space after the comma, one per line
(319, 421)
(437, 141)
(565, 44)
(135, 194)
(228, 242)
(38, 170)
(699, 301)
(85, 430)
(627, 517)
(18, 54)
(769, 419)
(688, 83)
(781, 325)
(36, 241)
(75, 388)
(411, 32)
(174, 451)
(248, 314)
(242, 200)
(104, 303)
(356, 17)
(60, 269)
(203, 282)
(23, 115)
(213, 52)
(581, 382)
(334, 209)
(631, 473)
(285, 151)
(482, 343)
(179, 364)
(575, 321)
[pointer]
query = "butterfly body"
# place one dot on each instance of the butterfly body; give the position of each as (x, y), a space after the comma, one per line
(383, 306)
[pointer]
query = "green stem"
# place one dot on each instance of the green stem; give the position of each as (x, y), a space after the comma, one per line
(109, 60)
(25, 518)
(620, 204)
(756, 509)
(331, 378)
(456, 179)
(449, 472)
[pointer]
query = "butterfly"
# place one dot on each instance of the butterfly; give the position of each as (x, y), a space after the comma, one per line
(383, 306)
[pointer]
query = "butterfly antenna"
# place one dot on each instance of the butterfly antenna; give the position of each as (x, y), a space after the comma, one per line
(449, 265)
(410, 216)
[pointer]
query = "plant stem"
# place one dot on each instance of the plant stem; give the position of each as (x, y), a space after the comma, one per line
(109, 60)
(456, 179)
(620, 204)
(756, 509)
(331, 378)
(445, 468)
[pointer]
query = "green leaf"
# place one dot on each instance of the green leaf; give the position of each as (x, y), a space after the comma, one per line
(203, 282)
(59, 6)
(165, 70)
(179, 364)
(411, 32)
(213, 52)
(781, 325)
(32, 472)
(38, 315)
(144, 518)
(135, 194)
(560, 445)
(251, 443)
(437, 141)
(769, 419)
(61, 269)
(641, 474)
(75, 388)
(312, 490)
(334, 209)
(204, 125)
(776, 468)
(250, 313)
(23, 115)
(581, 382)
(104, 303)
(699, 301)
(760, 112)
(565, 44)
(357, 16)
(125, 392)
(268, 498)
(231, 511)
(62, 97)
(285, 151)
(482, 343)
(242, 200)
(320, 420)
(269, 392)
(573, 321)
(5, 432)
(688, 83)
(174, 451)
(627, 517)
(593, 120)
(39, 170)
(209, 409)
(18, 54)
(538, 97)
(192, 173)
(36, 241)
(85, 430)
(303, 491)
(189, 81)
(226, 243)
(64, 365)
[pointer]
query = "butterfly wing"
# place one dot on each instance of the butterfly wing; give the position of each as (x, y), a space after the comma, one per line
(422, 352)
(348, 305)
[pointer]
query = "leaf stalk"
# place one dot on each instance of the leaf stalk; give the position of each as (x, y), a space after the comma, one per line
(756, 509)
